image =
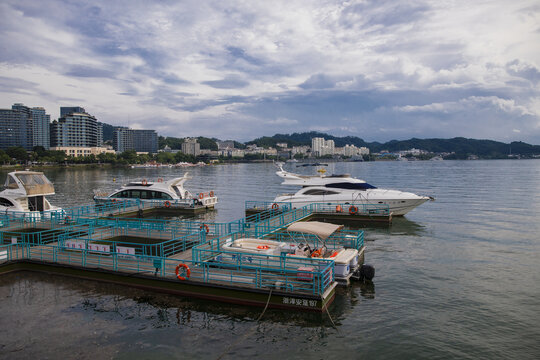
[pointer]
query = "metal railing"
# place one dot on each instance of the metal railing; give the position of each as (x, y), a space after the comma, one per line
(288, 274)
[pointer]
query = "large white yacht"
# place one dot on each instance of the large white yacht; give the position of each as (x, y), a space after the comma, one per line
(170, 192)
(345, 190)
(24, 195)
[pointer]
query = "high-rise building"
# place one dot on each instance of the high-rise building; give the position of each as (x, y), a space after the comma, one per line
(191, 147)
(41, 122)
(76, 129)
(138, 140)
(24, 126)
(66, 110)
(321, 147)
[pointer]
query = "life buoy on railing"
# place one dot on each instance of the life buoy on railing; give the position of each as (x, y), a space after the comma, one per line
(205, 227)
(263, 247)
(144, 182)
(275, 206)
(188, 272)
(201, 195)
(211, 194)
(167, 204)
(353, 210)
(339, 209)
(160, 180)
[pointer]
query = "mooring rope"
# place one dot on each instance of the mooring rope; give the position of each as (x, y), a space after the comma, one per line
(331, 320)
(249, 332)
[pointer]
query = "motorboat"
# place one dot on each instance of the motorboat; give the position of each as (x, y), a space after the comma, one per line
(24, 194)
(346, 191)
(305, 239)
(170, 193)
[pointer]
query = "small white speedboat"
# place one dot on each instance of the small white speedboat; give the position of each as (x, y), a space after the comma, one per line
(305, 239)
(24, 195)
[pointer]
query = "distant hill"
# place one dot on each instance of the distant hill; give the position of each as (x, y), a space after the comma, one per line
(459, 145)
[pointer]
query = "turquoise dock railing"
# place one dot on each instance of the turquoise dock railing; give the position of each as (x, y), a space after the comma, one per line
(361, 208)
(277, 222)
(290, 275)
(28, 234)
(351, 209)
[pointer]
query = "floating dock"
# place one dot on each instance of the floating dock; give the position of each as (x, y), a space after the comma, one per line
(178, 257)
(354, 215)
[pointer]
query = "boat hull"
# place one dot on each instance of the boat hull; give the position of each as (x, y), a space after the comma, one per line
(397, 207)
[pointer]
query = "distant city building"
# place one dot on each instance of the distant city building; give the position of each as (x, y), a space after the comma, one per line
(24, 126)
(83, 151)
(282, 145)
(300, 150)
(231, 153)
(76, 129)
(144, 141)
(66, 110)
(191, 147)
(321, 147)
(229, 144)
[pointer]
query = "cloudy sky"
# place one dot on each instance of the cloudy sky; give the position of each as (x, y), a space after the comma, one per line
(379, 70)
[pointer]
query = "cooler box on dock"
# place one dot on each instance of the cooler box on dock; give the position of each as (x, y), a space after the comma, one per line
(305, 273)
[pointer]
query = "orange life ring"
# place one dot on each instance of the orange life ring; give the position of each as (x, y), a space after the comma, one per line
(339, 209)
(167, 204)
(211, 194)
(160, 180)
(201, 195)
(188, 272)
(205, 227)
(263, 247)
(144, 182)
(275, 206)
(353, 210)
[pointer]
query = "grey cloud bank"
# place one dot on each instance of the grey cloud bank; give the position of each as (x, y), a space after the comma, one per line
(379, 70)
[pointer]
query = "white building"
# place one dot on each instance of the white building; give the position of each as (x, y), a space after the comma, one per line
(191, 147)
(321, 147)
(300, 150)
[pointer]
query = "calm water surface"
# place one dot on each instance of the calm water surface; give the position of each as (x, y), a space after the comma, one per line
(456, 278)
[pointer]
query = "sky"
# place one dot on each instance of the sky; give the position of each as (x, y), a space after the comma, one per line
(379, 70)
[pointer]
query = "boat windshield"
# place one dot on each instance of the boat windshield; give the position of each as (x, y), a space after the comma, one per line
(351, 186)
(33, 179)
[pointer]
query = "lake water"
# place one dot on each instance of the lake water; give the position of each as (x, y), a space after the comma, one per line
(456, 278)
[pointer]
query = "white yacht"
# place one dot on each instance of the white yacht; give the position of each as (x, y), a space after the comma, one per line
(346, 191)
(24, 195)
(170, 192)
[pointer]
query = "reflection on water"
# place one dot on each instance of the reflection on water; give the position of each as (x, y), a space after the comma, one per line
(455, 278)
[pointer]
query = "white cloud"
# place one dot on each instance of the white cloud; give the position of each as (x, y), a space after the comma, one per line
(324, 62)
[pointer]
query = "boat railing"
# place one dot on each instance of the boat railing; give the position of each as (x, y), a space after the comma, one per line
(352, 239)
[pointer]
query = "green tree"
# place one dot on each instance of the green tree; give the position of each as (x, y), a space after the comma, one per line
(130, 156)
(165, 158)
(4, 158)
(17, 153)
(181, 157)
